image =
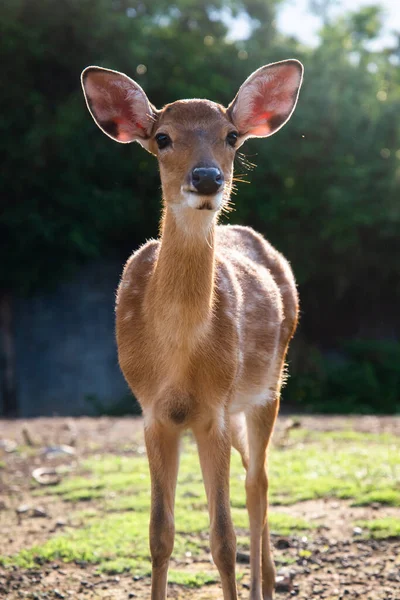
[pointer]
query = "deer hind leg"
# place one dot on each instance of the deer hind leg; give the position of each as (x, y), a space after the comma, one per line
(214, 445)
(239, 437)
(162, 445)
(240, 443)
(260, 423)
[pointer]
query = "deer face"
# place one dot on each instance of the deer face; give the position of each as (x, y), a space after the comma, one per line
(194, 140)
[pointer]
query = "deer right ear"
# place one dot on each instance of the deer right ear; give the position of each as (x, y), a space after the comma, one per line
(118, 105)
(267, 99)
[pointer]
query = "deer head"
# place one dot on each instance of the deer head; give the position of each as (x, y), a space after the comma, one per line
(195, 141)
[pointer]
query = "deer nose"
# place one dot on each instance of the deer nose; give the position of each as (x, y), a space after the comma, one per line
(207, 180)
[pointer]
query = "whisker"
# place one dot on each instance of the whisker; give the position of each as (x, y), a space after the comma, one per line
(241, 180)
(243, 160)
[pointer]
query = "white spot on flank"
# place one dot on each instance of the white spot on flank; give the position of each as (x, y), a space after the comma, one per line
(220, 419)
(243, 402)
(148, 419)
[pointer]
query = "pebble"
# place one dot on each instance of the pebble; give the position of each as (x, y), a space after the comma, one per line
(39, 512)
(284, 583)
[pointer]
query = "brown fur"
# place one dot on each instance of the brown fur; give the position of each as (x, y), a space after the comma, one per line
(204, 318)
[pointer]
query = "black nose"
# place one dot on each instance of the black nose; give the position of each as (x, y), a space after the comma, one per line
(207, 180)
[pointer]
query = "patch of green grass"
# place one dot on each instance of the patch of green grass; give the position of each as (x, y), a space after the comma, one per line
(331, 464)
(125, 565)
(101, 540)
(388, 527)
(342, 436)
(192, 579)
(344, 464)
(114, 534)
(387, 496)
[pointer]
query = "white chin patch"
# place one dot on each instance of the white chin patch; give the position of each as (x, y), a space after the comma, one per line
(195, 214)
(203, 203)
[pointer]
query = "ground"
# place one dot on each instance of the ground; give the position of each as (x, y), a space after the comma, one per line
(81, 529)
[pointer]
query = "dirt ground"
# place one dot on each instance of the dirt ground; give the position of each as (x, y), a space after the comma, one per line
(334, 563)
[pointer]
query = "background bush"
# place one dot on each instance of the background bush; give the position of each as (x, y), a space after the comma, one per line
(325, 190)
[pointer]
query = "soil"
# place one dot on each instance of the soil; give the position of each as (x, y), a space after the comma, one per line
(335, 563)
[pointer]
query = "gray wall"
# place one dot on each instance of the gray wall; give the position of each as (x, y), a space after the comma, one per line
(65, 346)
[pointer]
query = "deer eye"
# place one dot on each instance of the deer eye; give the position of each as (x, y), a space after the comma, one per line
(163, 140)
(232, 137)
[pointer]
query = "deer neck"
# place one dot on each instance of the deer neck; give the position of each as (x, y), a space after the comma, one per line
(183, 280)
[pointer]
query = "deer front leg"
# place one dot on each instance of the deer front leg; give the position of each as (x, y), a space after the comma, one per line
(214, 445)
(163, 453)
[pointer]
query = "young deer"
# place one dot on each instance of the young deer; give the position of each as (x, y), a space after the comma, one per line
(205, 313)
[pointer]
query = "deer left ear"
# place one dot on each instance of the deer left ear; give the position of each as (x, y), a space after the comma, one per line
(118, 105)
(267, 99)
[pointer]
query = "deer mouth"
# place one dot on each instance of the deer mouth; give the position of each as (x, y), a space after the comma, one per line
(206, 206)
(198, 201)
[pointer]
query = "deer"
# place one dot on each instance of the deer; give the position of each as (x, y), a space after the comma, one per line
(204, 313)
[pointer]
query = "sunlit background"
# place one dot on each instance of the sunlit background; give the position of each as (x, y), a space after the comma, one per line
(324, 191)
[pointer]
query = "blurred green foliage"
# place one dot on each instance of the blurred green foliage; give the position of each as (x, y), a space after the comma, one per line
(325, 190)
(363, 378)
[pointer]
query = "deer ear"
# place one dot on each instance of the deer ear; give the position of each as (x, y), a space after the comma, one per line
(118, 105)
(267, 99)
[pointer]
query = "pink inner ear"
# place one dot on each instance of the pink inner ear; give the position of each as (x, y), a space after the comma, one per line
(259, 123)
(124, 128)
(261, 117)
(118, 105)
(271, 96)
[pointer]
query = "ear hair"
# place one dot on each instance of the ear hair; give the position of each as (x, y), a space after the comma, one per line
(118, 105)
(267, 99)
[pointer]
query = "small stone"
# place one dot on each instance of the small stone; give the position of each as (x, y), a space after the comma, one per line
(357, 531)
(58, 594)
(60, 523)
(56, 451)
(8, 445)
(22, 508)
(283, 583)
(46, 476)
(39, 512)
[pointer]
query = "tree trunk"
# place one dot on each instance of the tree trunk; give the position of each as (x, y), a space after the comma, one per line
(7, 356)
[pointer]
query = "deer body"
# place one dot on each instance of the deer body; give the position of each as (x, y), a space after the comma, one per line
(195, 327)
(205, 313)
